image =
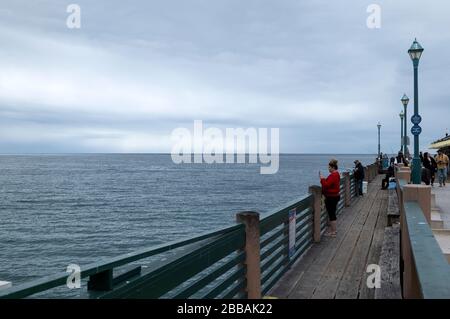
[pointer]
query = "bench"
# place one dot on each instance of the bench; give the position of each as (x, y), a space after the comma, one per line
(393, 212)
(390, 265)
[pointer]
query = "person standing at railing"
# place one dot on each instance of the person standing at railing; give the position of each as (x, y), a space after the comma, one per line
(331, 191)
(359, 177)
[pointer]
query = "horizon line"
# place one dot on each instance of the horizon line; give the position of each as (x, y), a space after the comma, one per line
(163, 153)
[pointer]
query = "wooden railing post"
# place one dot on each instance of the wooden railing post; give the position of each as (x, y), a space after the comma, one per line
(422, 195)
(348, 196)
(374, 169)
(404, 174)
(366, 174)
(411, 289)
(316, 191)
(252, 253)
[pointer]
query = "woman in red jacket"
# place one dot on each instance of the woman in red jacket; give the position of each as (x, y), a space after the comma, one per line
(331, 191)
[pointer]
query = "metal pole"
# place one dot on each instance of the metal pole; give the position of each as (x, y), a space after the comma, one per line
(405, 134)
(401, 137)
(378, 141)
(417, 165)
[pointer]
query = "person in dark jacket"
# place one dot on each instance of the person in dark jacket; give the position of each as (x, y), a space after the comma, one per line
(427, 169)
(331, 190)
(359, 177)
(389, 174)
(433, 169)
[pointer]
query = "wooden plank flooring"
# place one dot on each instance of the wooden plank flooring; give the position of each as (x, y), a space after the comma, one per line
(336, 267)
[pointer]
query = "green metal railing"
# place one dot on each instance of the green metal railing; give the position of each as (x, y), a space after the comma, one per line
(426, 272)
(275, 259)
(430, 265)
(210, 265)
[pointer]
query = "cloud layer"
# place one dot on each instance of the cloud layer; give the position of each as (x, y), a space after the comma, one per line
(136, 71)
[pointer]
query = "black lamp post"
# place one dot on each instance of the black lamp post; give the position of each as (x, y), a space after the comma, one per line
(405, 101)
(402, 115)
(379, 127)
(415, 52)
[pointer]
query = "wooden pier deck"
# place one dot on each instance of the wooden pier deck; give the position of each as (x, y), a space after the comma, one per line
(336, 268)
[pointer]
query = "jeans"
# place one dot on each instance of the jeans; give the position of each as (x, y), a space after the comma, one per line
(442, 175)
(359, 187)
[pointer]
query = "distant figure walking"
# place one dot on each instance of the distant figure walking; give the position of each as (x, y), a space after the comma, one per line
(442, 165)
(359, 177)
(330, 189)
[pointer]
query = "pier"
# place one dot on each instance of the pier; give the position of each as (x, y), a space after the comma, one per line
(336, 267)
(391, 244)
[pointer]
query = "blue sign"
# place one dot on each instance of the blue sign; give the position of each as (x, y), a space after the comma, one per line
(416, 130)
(416, 119)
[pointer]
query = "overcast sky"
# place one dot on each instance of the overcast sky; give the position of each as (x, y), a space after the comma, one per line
(138, 69)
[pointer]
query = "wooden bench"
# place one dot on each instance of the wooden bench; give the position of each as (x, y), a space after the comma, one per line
(390, 265)
(393, 212)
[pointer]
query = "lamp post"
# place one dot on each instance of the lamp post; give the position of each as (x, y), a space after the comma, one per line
(405, 101)
(402, 115)
(415, 52)
(379, 126)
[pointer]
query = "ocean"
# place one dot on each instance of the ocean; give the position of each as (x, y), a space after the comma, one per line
(57, 210)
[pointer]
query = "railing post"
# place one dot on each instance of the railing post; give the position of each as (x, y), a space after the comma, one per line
(422, 195)
(316, 191)
(348, 196)
(411, 289)
(252, 253)
(404, 174)
(366, 174)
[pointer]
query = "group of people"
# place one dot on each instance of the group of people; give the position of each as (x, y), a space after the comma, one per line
(331, 191)
(331, 184)
(434, 165)
(430, 167)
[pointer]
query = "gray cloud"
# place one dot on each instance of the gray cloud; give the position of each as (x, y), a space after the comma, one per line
(137, 70)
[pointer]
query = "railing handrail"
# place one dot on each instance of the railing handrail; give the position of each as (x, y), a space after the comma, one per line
(432, 268)
(291, 204)
(52, 281)
(59, 279)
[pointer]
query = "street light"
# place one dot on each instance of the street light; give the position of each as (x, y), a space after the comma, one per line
(415, 52)
(402, 115)
(405, 101)
(379, 126)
